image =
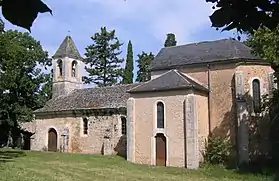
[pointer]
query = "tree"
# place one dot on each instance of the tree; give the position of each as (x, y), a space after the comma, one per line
(144, 61)
(23, 12)
(102, 57)
(265, 43)
(46, 89)
(245, 15)
(1, 26)
(129, 67)
(20, 78)
(170, 41)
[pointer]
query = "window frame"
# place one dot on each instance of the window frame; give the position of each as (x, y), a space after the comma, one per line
(160, 115)
(256, 95)
(123, 126)
(85, 125)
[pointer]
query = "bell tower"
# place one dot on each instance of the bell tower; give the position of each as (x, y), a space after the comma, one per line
(66, 64)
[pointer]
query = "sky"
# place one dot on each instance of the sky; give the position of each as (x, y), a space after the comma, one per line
(144, 22)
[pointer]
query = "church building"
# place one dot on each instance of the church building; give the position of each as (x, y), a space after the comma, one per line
(195, 89)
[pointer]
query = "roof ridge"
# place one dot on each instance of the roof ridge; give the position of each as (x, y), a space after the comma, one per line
(180, 74)
(89, 98)
(170, 80)
(200, 42)
(198, 53)
(160, 75)
(112, 86)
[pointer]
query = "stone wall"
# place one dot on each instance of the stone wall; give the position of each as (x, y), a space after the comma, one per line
(145, 127)
(222, 91)
(255, 71)
(175, 128)
(99, 127)
(221, 101)
(223, 109)
(191, 132)
(253, 128)
(202, 118)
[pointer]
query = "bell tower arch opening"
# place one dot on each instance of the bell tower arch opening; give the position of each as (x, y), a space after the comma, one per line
(60, 68)
(74, 68)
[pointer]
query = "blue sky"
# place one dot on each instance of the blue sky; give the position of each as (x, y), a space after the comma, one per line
(145, 23)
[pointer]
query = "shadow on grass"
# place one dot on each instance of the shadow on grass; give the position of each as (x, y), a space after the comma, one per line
(276, 176)
(10, 155)
(262, 169)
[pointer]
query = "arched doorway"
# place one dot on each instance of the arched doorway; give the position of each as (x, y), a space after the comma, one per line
(161, 150)
(52, 140)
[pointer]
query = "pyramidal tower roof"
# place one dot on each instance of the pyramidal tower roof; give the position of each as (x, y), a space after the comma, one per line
(67, 49)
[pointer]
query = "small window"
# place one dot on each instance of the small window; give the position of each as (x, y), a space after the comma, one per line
(59, 64)
(123, 126)
(160, 115)
(74, 66)
(256, 95)
(85, 126)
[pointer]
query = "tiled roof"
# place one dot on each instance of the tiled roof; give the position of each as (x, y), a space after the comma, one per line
(202, 52)
(90, 98)
(170, 80)
(67, 49)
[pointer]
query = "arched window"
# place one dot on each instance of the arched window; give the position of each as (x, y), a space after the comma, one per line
(74, 67)
(85, 126)
(59, 64)
(256, 95)
(123, 126)
(160, 115)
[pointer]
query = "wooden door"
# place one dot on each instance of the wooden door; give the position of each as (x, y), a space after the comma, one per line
(161, 155)
(52, 140)
(26, 143)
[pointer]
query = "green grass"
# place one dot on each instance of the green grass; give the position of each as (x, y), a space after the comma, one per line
(16, 165)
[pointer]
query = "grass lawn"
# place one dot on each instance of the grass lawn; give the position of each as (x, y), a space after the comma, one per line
(16, 165)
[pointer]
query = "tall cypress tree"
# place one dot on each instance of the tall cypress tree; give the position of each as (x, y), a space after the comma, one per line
(102, 62)
(129, 67)
(1, 25)
(170, 41)
(144, 61)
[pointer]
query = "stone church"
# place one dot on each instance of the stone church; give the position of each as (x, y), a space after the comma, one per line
(195, 89)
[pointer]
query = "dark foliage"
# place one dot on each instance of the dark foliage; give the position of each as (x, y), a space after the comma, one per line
(1, 26)
(20, 79)
(217, 150)
(9, 155)
(170, 41)
(102, 62)
(23, 12)
(244, 15)
(144, 73)
(129, 67)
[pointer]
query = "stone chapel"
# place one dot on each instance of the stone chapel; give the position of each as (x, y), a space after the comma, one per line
(195, 89)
